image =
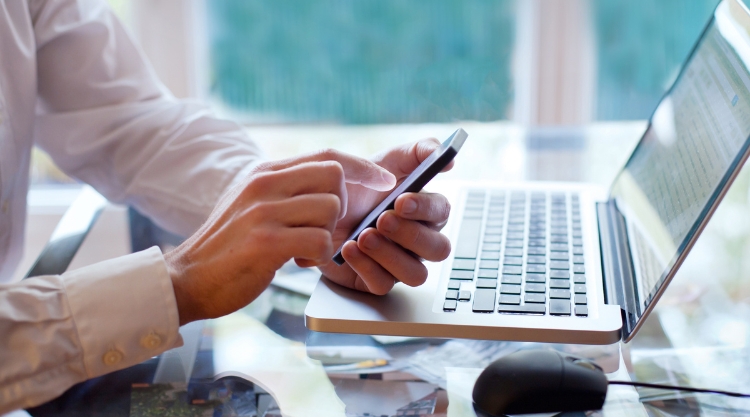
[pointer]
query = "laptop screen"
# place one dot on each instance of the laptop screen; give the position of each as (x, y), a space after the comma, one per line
(695, 141)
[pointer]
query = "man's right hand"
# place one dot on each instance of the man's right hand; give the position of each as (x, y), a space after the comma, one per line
(284, 209)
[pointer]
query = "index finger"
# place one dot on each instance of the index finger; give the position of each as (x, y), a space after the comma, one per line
(356, 170)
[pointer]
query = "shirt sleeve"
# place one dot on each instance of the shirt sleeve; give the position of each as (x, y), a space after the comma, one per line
(105, 119)
(61, 330)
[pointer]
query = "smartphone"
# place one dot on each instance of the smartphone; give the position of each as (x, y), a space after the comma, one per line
(430, 167)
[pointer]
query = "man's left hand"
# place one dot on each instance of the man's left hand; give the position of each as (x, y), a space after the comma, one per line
(393, 251)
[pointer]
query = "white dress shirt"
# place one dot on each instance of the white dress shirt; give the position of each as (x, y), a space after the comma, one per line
(73, 82)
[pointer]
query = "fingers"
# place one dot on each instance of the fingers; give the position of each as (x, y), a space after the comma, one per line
(311, 245)
(307, 210)
(391, 258)
(370, 276)
(356, 170)
(430, 208)
(402, 160)
(304, 178)
(414, 236)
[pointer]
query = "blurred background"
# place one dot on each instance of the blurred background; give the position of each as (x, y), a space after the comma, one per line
(532, 62)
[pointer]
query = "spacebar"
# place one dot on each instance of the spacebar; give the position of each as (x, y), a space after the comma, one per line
(524, 309)
(468, 238)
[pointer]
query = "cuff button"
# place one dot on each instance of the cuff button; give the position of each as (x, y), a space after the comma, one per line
(112, 357)
(151, 341)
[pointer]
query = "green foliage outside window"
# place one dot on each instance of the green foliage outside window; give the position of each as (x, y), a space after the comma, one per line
(365, 61)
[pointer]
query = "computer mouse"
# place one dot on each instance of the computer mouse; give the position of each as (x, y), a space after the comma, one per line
(539, 381)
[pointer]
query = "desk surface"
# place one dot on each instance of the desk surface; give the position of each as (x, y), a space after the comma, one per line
(698, 335)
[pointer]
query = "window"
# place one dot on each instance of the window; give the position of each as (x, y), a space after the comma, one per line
(368, 61)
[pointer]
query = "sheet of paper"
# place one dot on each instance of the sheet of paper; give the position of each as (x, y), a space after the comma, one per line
(245, 348)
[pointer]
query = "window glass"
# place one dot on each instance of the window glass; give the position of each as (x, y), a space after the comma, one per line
(366, 61)
(640, 45)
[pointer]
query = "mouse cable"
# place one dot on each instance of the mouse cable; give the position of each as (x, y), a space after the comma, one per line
(679, 388)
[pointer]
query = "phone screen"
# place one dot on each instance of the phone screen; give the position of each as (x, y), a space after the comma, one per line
(427, 170)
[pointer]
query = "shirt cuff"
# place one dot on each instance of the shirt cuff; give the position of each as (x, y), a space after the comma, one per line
(124, 311)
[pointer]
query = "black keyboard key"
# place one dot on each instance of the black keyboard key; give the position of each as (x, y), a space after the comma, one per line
(536, 259)
(579, 288)
(560, 274)
(513, 243)
(579, 278)
(454, 284)
(514, 252)
(512, 270)
(536, 269)
(449, 305)
(493, 231)
(487, 273)
(558, 239)
(484, 301)
(579, 269)
(580, 299)
(559, 283)
(534, 298)
(559, 231)
(513, 260)
(510, 299)
(492, 246)
(536, 250)
(511, 279)
(491, 254)
(582, 311)
(464, 295)
(466, 264)
(559, 265)
(535, 278)
(486, 283)
(559, 256)
(458, 274)
(489, 264)
(559, 307)
(493, 238)
(559, 293)
(577, 250)
(467, 244)
(535, 287)
(510, 289)
(561, 247)
(451, 295)
(524, 309)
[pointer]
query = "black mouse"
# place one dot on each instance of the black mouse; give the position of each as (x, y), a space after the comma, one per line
(539, 381)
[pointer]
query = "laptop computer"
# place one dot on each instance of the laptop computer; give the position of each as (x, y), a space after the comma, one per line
(574, 263)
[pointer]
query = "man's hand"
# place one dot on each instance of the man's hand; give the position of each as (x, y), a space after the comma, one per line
(284, 209)
(403, 237)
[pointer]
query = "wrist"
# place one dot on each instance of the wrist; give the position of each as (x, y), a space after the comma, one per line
(180, 286)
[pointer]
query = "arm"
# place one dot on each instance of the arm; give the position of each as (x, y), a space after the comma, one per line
(106, 119)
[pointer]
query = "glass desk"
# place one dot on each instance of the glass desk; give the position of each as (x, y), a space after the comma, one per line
(267, 361)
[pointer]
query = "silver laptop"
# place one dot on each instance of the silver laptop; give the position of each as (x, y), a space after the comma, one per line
(573, 263)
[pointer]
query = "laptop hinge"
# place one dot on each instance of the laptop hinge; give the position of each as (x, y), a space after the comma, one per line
(617, 265)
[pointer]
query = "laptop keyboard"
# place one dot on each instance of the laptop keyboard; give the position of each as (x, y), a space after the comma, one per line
(519, 253)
